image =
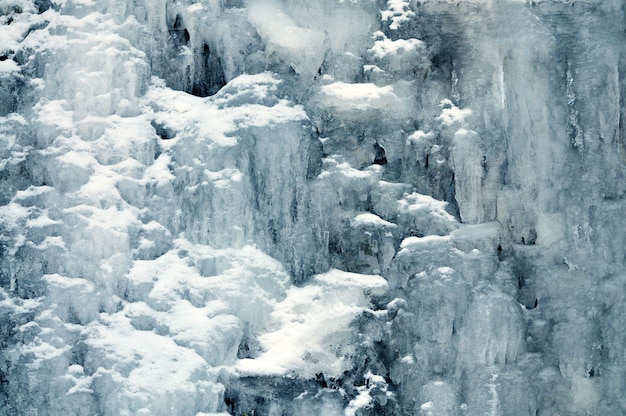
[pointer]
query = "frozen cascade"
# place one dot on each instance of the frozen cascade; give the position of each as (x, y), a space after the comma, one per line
(288, 207)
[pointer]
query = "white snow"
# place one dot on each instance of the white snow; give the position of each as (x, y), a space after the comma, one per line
(344, 96)
(416, 243)
(452, 115)
(336, 167)
(398, 12)
(216, 119)
(419, 136)
(416, 203)
(385, 46)
(311, 326)
(370, 219)
(8, 66)
(301, 47)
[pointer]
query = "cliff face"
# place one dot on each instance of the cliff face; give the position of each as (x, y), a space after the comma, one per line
(296, 207)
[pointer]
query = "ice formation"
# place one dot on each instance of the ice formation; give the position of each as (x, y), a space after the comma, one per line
(290, 207)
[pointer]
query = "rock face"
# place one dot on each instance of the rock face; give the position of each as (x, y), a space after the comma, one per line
(312, 207)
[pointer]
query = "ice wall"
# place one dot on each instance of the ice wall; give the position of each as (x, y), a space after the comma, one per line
(312, 207)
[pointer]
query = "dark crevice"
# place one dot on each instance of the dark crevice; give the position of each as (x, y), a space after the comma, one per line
(526, 293)
(209, 75)
(178, 34)
(379, 155)
(43, 5)
(163, 131)
(201, 73)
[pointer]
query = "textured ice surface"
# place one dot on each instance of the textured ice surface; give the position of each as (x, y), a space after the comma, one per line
(312, 207)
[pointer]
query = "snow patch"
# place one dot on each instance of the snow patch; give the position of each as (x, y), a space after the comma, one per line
(312, 332)
(366, 96)
(369, 219)
(300, 47)
(397, 13)
(451, 114)
(385, 46)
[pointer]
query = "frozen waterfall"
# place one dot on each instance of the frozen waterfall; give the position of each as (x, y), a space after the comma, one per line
(312, 207)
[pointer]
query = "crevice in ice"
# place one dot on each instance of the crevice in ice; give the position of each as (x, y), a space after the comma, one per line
(209, 77)
(179, 35)
(163, 131)
(78, 353)
(526, 282)
(249, 347)
(379, 155)
(43, 5)
(195, 66)
(530, 238)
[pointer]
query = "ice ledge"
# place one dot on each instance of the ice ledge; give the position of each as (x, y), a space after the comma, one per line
(247, 101)
(312, 327)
